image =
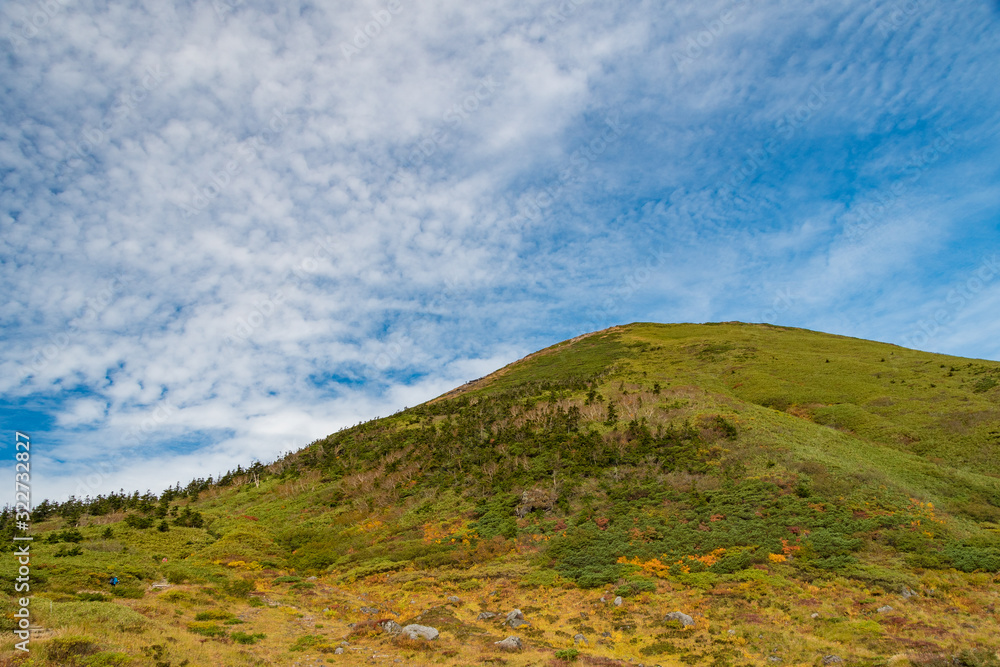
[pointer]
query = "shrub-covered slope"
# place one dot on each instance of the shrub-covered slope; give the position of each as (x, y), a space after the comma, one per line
(783, 487)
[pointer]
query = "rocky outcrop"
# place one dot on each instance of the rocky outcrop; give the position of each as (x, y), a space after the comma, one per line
(515, 619)
(391, 627)
(414, 631)
(685, 620)
(510, 644)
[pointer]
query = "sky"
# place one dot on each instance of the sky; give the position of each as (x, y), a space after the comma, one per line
(232, 227)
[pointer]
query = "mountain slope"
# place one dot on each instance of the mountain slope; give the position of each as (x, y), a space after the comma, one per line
(781, 486)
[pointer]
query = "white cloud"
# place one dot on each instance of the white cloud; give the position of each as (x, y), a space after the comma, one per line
(221, 234)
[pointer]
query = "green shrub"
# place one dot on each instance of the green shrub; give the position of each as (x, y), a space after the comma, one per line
(139, 522)
(128, 592)
(660, 648)
(108, 660)
(63, 551)
(970, 558)
(636, 585)
(238, 588)
(213, 615)
(180, 574)
(540, 578)
(247, 638)
(206, 628)
(306, 642)
(568, 654)
(92, 597)
(69, 650)
(176, 596)
(287, 579)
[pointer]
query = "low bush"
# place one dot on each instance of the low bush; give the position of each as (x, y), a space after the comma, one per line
(108, 660)
(70, 650)
(213, 615)
(206, 628)
(92, 597)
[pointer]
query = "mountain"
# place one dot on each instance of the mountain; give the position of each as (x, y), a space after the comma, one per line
(799, 498)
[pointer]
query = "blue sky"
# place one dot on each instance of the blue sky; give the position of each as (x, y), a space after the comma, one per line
(230, 228)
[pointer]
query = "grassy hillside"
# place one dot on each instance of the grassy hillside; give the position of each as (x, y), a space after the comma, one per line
(798, 495)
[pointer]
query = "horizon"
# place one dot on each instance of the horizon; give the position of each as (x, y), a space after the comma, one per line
(231, 229)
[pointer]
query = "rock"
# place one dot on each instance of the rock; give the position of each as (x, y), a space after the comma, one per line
(311, 578)
(452, 598)
(603, 599)
(485, 616)
(832, 660)
(618, 601)
(773, 659)
(339, 650)
(814, 615)
(884, 609)
(605, 634)
(907, 593)
(510, 644)
(414, 631)
(732, 632)
(579, 639)
(391, 627)
(685, 620)
(369, 610)
(515, 619)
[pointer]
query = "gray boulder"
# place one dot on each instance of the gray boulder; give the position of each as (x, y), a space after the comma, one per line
(452, 598)
(579, 639)
(680, 616)
(485, 616)
(391, 627)
(338, 651)
(618, 601)
(908, 593)
(884, 609)
(515, 619)
(510, 644)
(369, 610)
(414, 631)
(832, 660)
